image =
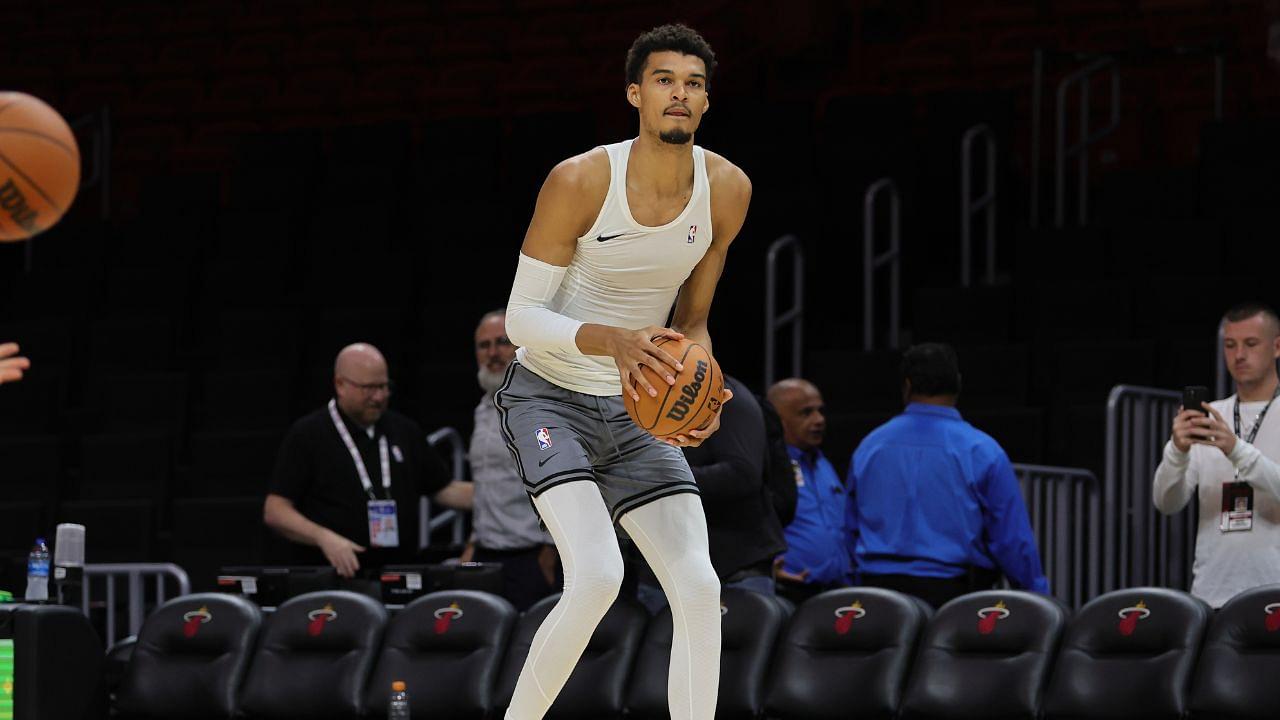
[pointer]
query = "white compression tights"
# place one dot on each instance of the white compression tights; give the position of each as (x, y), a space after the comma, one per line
(672, 535)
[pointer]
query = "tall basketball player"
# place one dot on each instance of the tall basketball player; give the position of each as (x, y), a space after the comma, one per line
(620, 234)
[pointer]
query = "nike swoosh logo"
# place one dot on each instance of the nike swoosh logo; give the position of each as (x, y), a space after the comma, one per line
(545, 460)
(603, 238)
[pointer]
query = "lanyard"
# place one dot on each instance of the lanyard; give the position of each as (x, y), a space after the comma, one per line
(1253, 434)
(385, 461)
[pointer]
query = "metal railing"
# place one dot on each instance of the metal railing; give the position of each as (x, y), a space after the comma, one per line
(1086, 139)
(458, 466)
(872, 262)
(970, 206)
(1141, 546)
(775, 321)
(134, 575)
(1062, 504)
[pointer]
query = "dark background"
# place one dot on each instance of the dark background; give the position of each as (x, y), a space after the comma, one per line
(288, 177)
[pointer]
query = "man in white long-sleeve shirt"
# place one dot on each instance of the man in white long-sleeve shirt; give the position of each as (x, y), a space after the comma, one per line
(1230, 458)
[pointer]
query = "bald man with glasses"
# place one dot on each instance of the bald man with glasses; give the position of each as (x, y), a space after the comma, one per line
(347, 480)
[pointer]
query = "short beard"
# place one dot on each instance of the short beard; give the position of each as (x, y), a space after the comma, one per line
(490, 381)
(675, 137)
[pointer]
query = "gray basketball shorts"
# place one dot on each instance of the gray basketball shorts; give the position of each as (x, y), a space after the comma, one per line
(558, 436)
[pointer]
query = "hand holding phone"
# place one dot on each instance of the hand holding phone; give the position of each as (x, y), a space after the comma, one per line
(1193, 396)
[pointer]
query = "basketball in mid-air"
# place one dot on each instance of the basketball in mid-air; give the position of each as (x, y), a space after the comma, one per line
(688, 405)
(39, 166)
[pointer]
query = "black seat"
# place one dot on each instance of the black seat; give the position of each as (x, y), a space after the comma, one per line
(32, 467)
(845, 655)
(447, 647)
(750, 627)
(597, 687)
(316, 652)
(1128, 654)
(986, 655)
(190, 659)
(1235, 677)
(115, 530)
(125, 465)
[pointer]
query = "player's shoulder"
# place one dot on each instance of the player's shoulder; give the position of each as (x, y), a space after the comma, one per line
(725, 177)
(581, 173)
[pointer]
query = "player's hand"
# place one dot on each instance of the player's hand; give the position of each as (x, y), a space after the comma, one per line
(1185, 432)
(698, 436)
(1213, 430)
(781, 574)
(341, 553)
(632, 348)
(11, 366)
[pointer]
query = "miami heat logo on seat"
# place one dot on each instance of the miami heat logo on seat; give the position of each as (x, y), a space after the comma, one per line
(319, 618)
(192, 621)
(989, 616)
(445, 616)
(1130, 616)
(1273, 616)
(846, 615)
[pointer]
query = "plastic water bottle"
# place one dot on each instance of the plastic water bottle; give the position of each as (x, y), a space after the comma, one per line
(38, 571)
(398, 708)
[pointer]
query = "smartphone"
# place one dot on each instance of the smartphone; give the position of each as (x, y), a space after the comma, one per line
(1192, 396)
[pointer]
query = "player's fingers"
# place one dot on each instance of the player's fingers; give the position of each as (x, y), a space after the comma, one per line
(725, 397)
(639, 377)
(627, 386)
(10, 375)
(357, 548)
(666, 332)
(662, 361)
(7, 349)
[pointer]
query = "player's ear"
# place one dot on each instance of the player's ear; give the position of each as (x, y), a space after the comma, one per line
(706, 103)
(633, 95)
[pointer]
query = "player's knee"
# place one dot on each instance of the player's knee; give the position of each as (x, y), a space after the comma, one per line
(698, 583)
(600, 585)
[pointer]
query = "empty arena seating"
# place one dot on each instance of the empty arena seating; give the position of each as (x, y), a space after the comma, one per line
(986, 654)
(191, 658)
(1128, 654)
(448, 646)
(315, 656)
(1238, 665)
(845, 655)
(850, 653)
(752, 624)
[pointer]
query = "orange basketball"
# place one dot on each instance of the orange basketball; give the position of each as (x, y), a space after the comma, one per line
(39, 166)
(687, 405)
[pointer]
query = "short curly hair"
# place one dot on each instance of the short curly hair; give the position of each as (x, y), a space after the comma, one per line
(676, 37)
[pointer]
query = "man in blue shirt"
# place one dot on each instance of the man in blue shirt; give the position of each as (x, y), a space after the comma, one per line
(817, 556)
(934, 506)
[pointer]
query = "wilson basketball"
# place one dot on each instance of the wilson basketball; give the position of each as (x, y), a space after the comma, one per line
(687, 405)
(39, 166)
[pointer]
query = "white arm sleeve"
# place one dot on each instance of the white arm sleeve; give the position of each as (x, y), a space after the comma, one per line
(530, 323)
(1172, 488)
(1255, 468)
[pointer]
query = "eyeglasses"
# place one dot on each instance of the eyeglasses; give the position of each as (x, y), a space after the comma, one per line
(371, 388)
(501, 341)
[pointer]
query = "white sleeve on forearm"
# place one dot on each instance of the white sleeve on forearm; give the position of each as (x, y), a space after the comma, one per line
(1255, 468)
(530, 323)
(1171, 488)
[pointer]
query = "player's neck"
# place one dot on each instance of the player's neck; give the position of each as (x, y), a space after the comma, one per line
(1259, 391)
(660, 167)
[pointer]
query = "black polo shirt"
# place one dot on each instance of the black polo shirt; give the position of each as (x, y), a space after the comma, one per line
(316, 472)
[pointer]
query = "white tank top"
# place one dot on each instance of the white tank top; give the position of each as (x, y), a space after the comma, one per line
(624, 274)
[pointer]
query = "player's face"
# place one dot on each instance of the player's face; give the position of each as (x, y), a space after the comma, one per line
(494, 352)
(671, 95)
(1250, 348)
(803, 421)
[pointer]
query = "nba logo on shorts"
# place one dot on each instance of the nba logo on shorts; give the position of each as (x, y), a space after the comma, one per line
(544, 438)
(693, 231)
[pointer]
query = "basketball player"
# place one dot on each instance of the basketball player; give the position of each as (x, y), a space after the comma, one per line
(11, 365)
(618, 235)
